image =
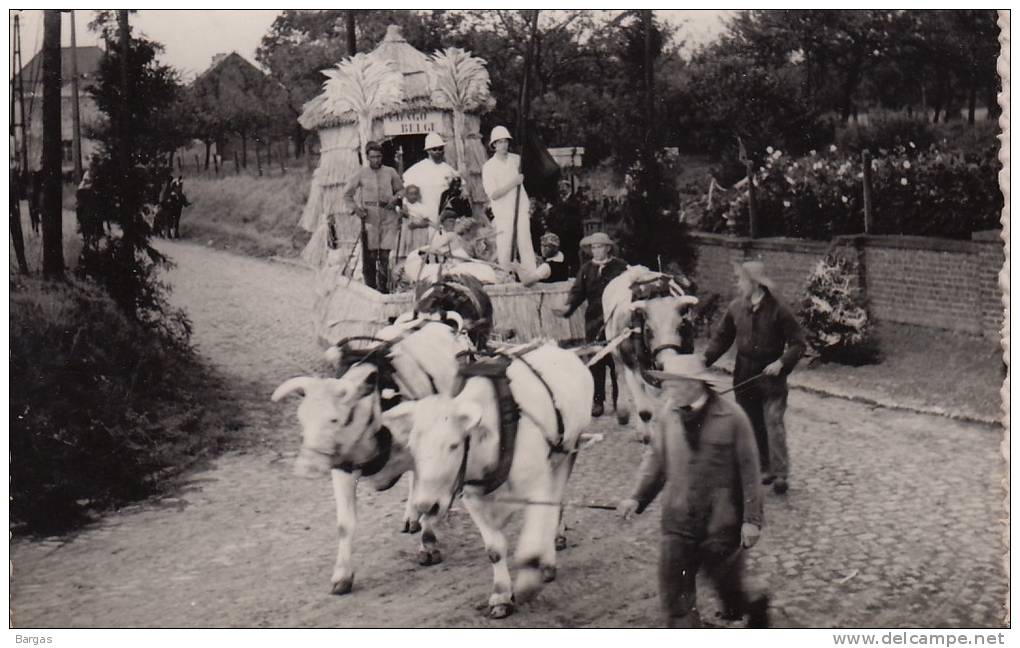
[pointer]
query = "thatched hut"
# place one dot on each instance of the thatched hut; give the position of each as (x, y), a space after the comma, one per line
(394, 95)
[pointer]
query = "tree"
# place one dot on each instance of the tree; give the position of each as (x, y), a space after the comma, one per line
(53, 244)
(837, 48)
(134, 138)
(234, 96)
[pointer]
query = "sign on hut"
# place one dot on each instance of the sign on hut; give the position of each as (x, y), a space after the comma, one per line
(396, 95)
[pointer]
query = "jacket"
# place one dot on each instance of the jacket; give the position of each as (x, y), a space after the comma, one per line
(588, 286)
(763, 335)
(378, 188)
(710, 486)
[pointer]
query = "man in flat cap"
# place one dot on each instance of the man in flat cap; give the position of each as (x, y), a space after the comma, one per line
(703, 459)
(769, 342)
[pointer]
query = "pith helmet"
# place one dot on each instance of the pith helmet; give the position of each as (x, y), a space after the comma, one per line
(498, 133)
(433, 140)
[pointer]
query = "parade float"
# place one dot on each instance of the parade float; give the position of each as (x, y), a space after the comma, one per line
(396, 95)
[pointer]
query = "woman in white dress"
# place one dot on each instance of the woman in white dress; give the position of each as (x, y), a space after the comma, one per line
(501, 176)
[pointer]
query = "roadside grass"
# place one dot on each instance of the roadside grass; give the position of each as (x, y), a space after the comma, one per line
(248, 215)
(937, 369)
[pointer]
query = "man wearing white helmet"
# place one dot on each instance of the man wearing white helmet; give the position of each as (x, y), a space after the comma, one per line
(432, 176)
(501, 177)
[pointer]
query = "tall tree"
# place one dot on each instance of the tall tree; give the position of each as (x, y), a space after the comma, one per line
(837, 47)
(138, 132)
(53, 243)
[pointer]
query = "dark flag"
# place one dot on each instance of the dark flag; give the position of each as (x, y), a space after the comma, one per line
(541, 172)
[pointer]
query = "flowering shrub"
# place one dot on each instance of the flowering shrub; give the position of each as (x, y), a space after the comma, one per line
(820, 195)
(835, 314)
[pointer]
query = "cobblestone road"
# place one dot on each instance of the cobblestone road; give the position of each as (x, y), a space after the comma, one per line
(893, 518)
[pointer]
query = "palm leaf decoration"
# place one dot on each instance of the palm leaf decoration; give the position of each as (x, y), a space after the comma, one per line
(369, 86)
(460, 83)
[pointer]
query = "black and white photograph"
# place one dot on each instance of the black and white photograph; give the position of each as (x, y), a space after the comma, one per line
(510, 318)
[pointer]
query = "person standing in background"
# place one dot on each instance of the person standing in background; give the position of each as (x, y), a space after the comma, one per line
(591, 281)
(432, 176)
(511, 208)
(381, 190)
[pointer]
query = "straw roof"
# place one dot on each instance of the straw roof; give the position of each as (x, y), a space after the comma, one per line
(323, 112)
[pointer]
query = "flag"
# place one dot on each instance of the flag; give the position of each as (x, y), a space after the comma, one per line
(541, 172)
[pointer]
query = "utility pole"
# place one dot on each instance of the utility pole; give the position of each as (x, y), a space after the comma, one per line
(19, 65)
(123, 128)
(17, 238)
(53, 239)
(646, 19)
(75, 116)
(352, 44)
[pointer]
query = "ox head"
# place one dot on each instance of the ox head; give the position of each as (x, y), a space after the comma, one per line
(438, 430)
(338, 417)
(666, 323)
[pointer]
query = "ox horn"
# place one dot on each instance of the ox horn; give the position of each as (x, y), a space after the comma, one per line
(333, 355)
(688, 300)
(301, 383)
(456, 317)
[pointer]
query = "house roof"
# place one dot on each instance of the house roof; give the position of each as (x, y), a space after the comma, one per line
(413, 64)
(88, 65)
(232, 60)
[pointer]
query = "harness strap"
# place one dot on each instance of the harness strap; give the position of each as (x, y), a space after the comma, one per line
(560, 429)
(509, 418)
(384, 442)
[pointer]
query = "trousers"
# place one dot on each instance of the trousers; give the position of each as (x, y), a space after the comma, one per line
(598, 373)
(377, 270)
(767, 409)
(680, 559)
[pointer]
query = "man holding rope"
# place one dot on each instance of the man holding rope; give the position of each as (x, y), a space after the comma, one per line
(770, 342)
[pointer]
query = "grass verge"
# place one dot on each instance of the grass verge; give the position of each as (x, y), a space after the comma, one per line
(101, 411)
(249, 215)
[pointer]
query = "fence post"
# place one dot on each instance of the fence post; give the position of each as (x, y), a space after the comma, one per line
(869, 215)
(258, 159)
(198, 165)
(752, 202)
(237, 163)
(216, 165)
(283, 167)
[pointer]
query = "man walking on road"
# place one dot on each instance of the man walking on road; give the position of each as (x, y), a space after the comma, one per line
(769, 342)
(702, 457)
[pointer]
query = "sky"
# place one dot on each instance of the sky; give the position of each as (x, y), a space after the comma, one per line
(193, 36)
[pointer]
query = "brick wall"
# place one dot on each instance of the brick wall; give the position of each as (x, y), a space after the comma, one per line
(929, 282)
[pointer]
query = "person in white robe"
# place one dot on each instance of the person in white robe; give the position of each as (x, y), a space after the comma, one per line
(501, 177)
(432, 176)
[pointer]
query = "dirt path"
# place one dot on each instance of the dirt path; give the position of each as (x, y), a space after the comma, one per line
(892, 517)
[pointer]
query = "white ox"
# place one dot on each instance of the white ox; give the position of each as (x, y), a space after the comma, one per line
(342, 432)
(457, 440)
(664, 328)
